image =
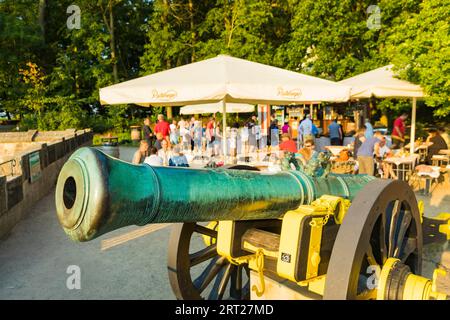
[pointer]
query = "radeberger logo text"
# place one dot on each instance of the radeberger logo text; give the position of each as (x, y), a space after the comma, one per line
(293, 93)
(167, 95)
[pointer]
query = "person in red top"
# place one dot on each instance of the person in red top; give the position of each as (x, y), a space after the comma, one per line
(210, 129)
(162, 126)
(398, 133)
(288, 144)
(210, 124)
(288, 149)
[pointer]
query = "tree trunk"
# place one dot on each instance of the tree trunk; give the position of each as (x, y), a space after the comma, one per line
(193, 33)
(164, 19)
(113, 42)
(43, 18)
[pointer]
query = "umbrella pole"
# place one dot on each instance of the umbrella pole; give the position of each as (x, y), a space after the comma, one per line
(413, 127)
(224, 130)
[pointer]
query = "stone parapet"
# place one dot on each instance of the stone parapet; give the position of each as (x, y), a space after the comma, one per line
(38, 158)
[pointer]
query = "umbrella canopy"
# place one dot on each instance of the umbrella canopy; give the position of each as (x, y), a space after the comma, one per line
(381, 83)
(216, 107)
(224, 78)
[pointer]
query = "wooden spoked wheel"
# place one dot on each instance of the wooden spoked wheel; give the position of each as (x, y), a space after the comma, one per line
(382, 222)
(196, 271)
(203, 274)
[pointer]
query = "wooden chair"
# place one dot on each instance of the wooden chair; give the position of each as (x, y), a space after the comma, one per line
(439, 160)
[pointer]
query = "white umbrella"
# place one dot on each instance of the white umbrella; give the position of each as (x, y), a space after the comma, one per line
(216, 107)
(383, 83)
(224, 79)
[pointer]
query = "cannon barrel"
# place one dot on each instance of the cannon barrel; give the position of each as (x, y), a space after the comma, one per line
(96, 194)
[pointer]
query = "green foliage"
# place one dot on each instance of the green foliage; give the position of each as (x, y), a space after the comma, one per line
(396, 106)
(330, 39)
(98, 123)
(181, 32)
(155, 112)
(20, 42)
(116, 117)
(325, 38)
(72, 64)
(28, 122)
(237, 28)
(419, 46)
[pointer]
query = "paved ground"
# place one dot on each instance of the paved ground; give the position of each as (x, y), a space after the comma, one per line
(436, 203)
(35, 257)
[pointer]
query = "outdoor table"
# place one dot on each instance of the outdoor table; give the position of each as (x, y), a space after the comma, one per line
(110, 146)
(421, 148)
(428, 173)
(403, 165)
(336, 150)
(110, 140)
(421, 145)
(439, 160)
(445, 152)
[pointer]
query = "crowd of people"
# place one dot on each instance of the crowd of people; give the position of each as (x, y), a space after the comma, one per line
(370, 148)
(197, 137)
(168, 144)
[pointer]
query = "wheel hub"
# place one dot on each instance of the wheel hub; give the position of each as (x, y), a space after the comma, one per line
(397, 282)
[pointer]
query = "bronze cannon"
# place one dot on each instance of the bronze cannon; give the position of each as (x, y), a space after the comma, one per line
(321, 234)
(96, 194)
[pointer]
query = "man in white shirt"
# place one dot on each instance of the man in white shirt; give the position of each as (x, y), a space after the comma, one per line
(181, 123)
(164, 153)
(154, 159)
(174, 133)
(185, 134)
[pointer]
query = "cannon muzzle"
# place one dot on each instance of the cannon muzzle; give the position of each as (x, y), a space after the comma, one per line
(96, 194)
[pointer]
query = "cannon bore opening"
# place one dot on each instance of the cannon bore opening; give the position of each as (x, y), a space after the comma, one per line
(69, 193)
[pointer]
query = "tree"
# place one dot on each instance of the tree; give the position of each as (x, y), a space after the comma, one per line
(20, 43)
(238, 28)
(330, 39)
(182, 32)
(419, 47)
(171, 35)
(121, 39)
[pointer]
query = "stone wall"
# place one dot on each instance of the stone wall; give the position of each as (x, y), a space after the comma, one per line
(20, 191)
(38, 136)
